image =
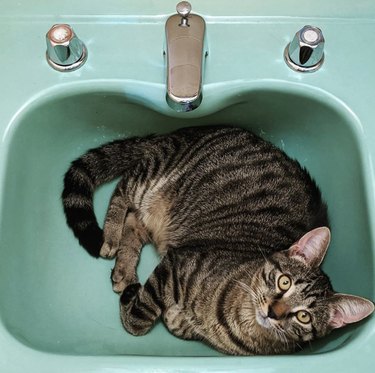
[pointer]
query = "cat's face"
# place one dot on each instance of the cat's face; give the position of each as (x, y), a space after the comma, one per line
(294, 300)
(291, 300)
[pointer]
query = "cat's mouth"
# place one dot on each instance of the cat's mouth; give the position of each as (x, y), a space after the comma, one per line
(262, 319)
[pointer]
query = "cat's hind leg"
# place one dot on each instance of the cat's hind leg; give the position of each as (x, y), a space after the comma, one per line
(181, 322)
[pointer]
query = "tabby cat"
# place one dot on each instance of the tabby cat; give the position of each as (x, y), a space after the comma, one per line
(241, 229)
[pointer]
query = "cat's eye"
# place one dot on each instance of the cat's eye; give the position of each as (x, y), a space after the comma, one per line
(303, 317)
(284, 283)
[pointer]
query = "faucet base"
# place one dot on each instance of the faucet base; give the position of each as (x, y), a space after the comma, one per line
(74, 66)
(183, 106)
(299, 68)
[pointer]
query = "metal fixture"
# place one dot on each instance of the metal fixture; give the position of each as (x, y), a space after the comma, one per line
(185, 55)
(305, 53)
(65, 52)
(183, 9)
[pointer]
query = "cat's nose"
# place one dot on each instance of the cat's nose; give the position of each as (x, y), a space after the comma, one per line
(277, 310)
(271, 314)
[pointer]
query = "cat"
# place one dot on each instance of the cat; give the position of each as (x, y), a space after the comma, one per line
(241, 228)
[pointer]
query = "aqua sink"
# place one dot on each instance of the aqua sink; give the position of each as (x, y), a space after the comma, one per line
(57, 310)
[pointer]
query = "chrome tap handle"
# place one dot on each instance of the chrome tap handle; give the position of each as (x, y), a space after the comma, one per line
(65, 51)
(305, 53)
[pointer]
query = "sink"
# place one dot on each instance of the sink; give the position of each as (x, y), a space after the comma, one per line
(57, 309)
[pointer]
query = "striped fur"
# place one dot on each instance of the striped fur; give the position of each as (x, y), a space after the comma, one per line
(222, 206)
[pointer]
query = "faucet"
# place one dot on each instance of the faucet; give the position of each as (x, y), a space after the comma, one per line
(185, 54)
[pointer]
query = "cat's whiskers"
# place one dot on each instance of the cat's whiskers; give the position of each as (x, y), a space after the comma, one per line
(310, 345)
(247, 289)
(281, 333)
(299, 346)
(255, 303)
(264, 255)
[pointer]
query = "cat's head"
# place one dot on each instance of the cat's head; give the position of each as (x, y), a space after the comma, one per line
(294, 299)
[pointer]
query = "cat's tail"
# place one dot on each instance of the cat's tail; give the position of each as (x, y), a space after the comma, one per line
(85, 174)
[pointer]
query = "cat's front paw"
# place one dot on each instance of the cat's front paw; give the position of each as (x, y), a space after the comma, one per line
(129, 293)
(121, 278)
(108, 251)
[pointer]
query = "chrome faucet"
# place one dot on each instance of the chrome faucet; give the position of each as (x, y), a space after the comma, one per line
(185, 54)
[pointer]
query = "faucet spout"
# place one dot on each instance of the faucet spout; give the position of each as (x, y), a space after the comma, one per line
(185, 56)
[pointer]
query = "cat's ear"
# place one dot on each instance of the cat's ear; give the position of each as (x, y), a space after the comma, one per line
(347, 309)
(312, 247)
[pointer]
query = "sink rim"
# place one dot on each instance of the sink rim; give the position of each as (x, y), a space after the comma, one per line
(216, 96)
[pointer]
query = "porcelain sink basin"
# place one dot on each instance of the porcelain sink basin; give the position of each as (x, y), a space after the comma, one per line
(57, 309)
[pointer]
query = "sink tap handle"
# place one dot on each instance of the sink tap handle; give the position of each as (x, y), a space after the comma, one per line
(65, 51)
(305, 53)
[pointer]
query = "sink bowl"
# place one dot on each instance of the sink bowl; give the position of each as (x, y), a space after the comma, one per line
(57, 309)
(47, 278)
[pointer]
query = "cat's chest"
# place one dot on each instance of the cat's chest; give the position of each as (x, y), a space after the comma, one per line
(153, 206)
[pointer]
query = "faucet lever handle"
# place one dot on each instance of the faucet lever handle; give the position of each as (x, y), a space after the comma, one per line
(183, 9)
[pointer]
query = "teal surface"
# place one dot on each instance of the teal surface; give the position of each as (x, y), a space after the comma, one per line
(57, 310)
